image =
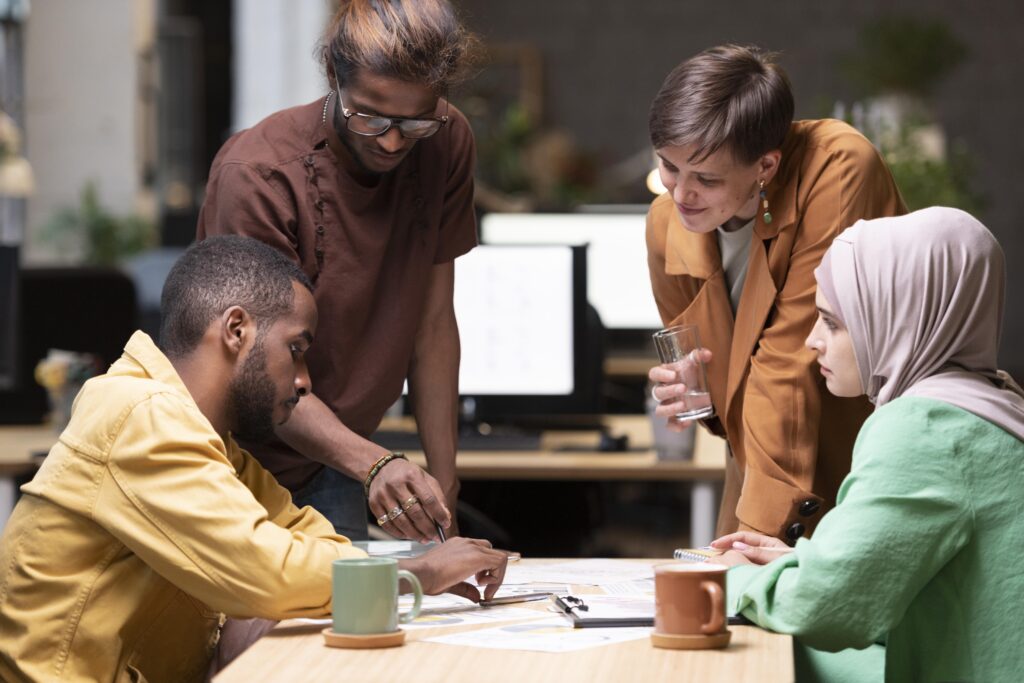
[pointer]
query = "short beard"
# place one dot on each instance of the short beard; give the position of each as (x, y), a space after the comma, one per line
(251, 398)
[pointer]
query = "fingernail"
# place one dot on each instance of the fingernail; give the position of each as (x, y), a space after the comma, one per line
(739, 545)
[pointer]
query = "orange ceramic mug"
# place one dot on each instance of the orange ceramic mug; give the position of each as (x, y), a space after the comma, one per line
(689, 605)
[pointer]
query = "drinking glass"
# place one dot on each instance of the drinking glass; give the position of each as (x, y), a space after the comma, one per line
(678, 350)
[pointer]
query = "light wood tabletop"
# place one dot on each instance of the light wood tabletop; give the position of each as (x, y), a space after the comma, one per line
(563, 455)
(296, 652)
(21, 444)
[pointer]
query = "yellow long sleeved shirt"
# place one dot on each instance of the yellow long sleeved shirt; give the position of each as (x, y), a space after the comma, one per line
(141, 530)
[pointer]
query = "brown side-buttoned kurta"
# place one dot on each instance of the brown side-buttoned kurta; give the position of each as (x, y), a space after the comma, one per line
(791, 440)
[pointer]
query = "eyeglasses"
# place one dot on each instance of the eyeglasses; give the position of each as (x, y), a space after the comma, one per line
(372, 125)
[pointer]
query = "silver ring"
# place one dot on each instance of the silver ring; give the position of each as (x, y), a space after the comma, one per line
(654, 395)
(395, 512)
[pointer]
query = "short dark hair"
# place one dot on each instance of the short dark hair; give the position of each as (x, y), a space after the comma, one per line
(727, 96)
(418, 41)
(216, 274)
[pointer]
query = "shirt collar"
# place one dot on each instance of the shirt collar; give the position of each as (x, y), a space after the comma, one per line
(144, 352)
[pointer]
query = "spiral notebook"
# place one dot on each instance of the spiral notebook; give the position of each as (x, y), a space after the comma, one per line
(695, 554)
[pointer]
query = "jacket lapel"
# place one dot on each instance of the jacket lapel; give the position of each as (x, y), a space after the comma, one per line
(766, 266)
(697, 256)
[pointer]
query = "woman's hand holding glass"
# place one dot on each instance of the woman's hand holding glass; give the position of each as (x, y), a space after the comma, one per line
(680, 389)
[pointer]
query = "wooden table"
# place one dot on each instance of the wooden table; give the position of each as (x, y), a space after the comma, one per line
(20, 444)
(21, 448)
(553, 461)
(293, 652)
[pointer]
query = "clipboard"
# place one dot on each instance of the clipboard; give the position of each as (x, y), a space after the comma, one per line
(597, 615)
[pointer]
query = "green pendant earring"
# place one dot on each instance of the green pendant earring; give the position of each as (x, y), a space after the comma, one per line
(767, 216)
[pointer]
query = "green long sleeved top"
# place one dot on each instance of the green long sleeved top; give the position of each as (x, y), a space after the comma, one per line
(922, 550)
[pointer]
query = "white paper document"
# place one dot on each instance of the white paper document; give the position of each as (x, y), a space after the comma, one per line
(548, 635)
(451, 610)
(482, 615)
(596, 572)
(641, 587)
(455, 617)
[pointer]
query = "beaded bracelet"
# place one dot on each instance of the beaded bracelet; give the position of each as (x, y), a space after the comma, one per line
(384, 460)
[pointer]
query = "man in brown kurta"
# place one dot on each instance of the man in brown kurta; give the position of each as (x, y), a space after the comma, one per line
(375, 214)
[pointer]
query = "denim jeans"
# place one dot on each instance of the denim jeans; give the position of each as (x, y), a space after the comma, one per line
(339, 499)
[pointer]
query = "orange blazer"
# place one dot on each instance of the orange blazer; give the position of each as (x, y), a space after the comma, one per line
(791, 439)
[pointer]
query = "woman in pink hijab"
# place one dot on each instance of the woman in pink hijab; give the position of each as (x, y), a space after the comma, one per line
(923, 551)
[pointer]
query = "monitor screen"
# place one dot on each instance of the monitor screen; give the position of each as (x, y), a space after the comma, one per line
(514, 305)
(618, 283)
(527, 349)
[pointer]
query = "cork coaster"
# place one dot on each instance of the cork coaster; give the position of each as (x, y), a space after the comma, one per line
(681, 642)
(367, 642)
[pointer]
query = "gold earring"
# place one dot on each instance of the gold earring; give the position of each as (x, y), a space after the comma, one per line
(767, 216)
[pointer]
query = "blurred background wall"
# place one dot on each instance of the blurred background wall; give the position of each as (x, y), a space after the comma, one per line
(136, 96)
(602, 61)
(83, 104)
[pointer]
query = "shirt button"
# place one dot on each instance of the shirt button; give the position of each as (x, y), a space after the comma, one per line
(319, 229)
(320, 204)
(418, 202)
(795, 531)
(809, 507)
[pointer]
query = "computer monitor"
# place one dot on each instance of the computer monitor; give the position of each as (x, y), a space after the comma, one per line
(618, 282)
(522, 314)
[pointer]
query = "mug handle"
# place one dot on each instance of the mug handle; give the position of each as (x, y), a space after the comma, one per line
(717, 596)
(417, 589)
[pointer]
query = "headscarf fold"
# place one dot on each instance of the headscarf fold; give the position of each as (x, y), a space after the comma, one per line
(922, 297)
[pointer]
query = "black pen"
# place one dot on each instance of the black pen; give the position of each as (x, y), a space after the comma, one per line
(440, 532)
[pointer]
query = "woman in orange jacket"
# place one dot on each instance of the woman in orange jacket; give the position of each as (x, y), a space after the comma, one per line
(753, 201)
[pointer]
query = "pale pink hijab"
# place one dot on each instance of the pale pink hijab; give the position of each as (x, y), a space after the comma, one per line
(922, 298)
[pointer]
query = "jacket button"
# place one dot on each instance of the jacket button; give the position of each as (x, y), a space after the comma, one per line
(795, 531)
(809, 507)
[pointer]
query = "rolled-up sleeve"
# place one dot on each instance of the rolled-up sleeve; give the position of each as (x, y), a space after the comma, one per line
(458, 215)
(241, 200)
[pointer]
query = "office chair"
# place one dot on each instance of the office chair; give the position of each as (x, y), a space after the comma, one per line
(88, 310)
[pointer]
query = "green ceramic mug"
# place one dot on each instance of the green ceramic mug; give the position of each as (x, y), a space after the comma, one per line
(365, 595)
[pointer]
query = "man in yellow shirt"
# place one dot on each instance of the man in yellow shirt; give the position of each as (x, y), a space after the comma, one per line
(147, 524)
